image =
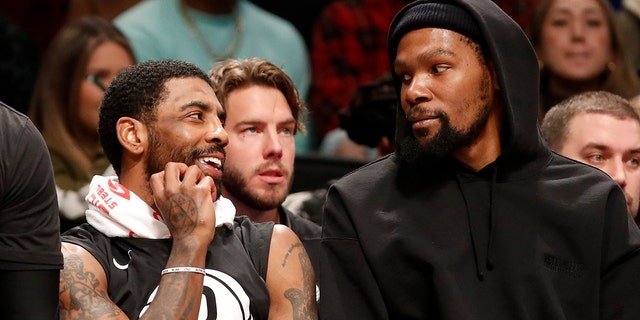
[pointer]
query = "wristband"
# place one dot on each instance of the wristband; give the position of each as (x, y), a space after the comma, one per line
(183, 269)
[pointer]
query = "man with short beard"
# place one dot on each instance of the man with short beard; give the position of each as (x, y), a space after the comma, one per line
(161, 242)
(262, 115)
(474, 217)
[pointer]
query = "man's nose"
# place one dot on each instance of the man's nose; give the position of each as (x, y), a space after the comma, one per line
(273, 148)
(216, 134)
(618, 173)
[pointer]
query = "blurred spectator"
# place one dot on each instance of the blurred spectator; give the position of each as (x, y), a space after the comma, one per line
(629, 18)
(19, 63)
(204, 32)
(580, 48)
(80, 63)
(349, 48)
(367, 127)
(366, 133)
(370, 119)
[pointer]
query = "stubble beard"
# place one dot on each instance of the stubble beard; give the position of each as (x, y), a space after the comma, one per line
(236, 184)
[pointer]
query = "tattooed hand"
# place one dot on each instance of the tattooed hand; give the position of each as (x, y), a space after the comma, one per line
(184, 196)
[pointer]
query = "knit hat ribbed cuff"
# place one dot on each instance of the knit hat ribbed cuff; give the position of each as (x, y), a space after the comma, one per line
(435, 15)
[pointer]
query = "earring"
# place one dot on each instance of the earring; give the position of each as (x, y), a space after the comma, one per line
(540, 64)
(611, 66)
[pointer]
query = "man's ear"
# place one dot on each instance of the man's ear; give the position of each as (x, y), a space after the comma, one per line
(132, 134)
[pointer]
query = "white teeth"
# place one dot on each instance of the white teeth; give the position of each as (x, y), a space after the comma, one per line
(213, 160)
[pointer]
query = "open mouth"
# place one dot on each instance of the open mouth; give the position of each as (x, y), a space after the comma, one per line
(211, 166)
(212, 161)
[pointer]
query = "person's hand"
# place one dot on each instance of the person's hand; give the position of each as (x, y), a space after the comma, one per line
(184, 196)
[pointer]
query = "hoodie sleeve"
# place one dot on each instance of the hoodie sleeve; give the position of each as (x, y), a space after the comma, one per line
(620, 278)
(349, 289)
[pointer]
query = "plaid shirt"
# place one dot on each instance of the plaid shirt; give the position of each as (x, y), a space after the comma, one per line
(349, 48)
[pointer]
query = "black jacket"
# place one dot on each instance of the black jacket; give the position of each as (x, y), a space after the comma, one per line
(532, 235)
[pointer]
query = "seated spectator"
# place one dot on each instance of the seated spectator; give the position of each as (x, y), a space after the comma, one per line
(603, 130)
(30, 257)
(80, 63)
(580, 48)
(367, 127)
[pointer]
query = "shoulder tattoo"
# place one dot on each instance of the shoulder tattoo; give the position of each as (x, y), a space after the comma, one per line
(86, 299)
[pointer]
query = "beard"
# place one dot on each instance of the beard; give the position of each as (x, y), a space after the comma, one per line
(236, 183)
(415, 152)
(160, 153)
(448, 139)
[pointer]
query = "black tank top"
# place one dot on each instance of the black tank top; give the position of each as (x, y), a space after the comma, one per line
(236, 264)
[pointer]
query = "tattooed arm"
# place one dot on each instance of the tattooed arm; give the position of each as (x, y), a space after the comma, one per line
(83, 287)
(183, 195)
(84, 290)
(290, 278)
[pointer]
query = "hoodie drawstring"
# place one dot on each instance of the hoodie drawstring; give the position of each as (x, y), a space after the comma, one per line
(492, 217)
(476, 253)
(482, 265)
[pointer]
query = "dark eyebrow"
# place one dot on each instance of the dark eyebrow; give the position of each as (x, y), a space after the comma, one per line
(195, 103)
(424, 56)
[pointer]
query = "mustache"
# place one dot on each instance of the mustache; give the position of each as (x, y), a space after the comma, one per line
(419, 112)
(195, 153)
(270, 164)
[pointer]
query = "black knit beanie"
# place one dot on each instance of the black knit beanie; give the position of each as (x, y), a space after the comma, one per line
(432, 15)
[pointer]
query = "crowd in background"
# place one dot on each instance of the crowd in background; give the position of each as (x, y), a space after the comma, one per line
(329, 48)
(59, 57)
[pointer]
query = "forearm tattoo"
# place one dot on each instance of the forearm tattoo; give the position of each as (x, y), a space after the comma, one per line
(181, 213)
(303, 308)
(175, 298)
(87, 301)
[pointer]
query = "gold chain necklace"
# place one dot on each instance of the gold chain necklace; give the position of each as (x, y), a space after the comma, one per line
(231, 49)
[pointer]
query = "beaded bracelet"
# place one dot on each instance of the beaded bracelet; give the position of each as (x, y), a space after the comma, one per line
(183, 269)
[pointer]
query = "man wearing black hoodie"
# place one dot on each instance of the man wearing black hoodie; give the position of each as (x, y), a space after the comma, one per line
(474, 217)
